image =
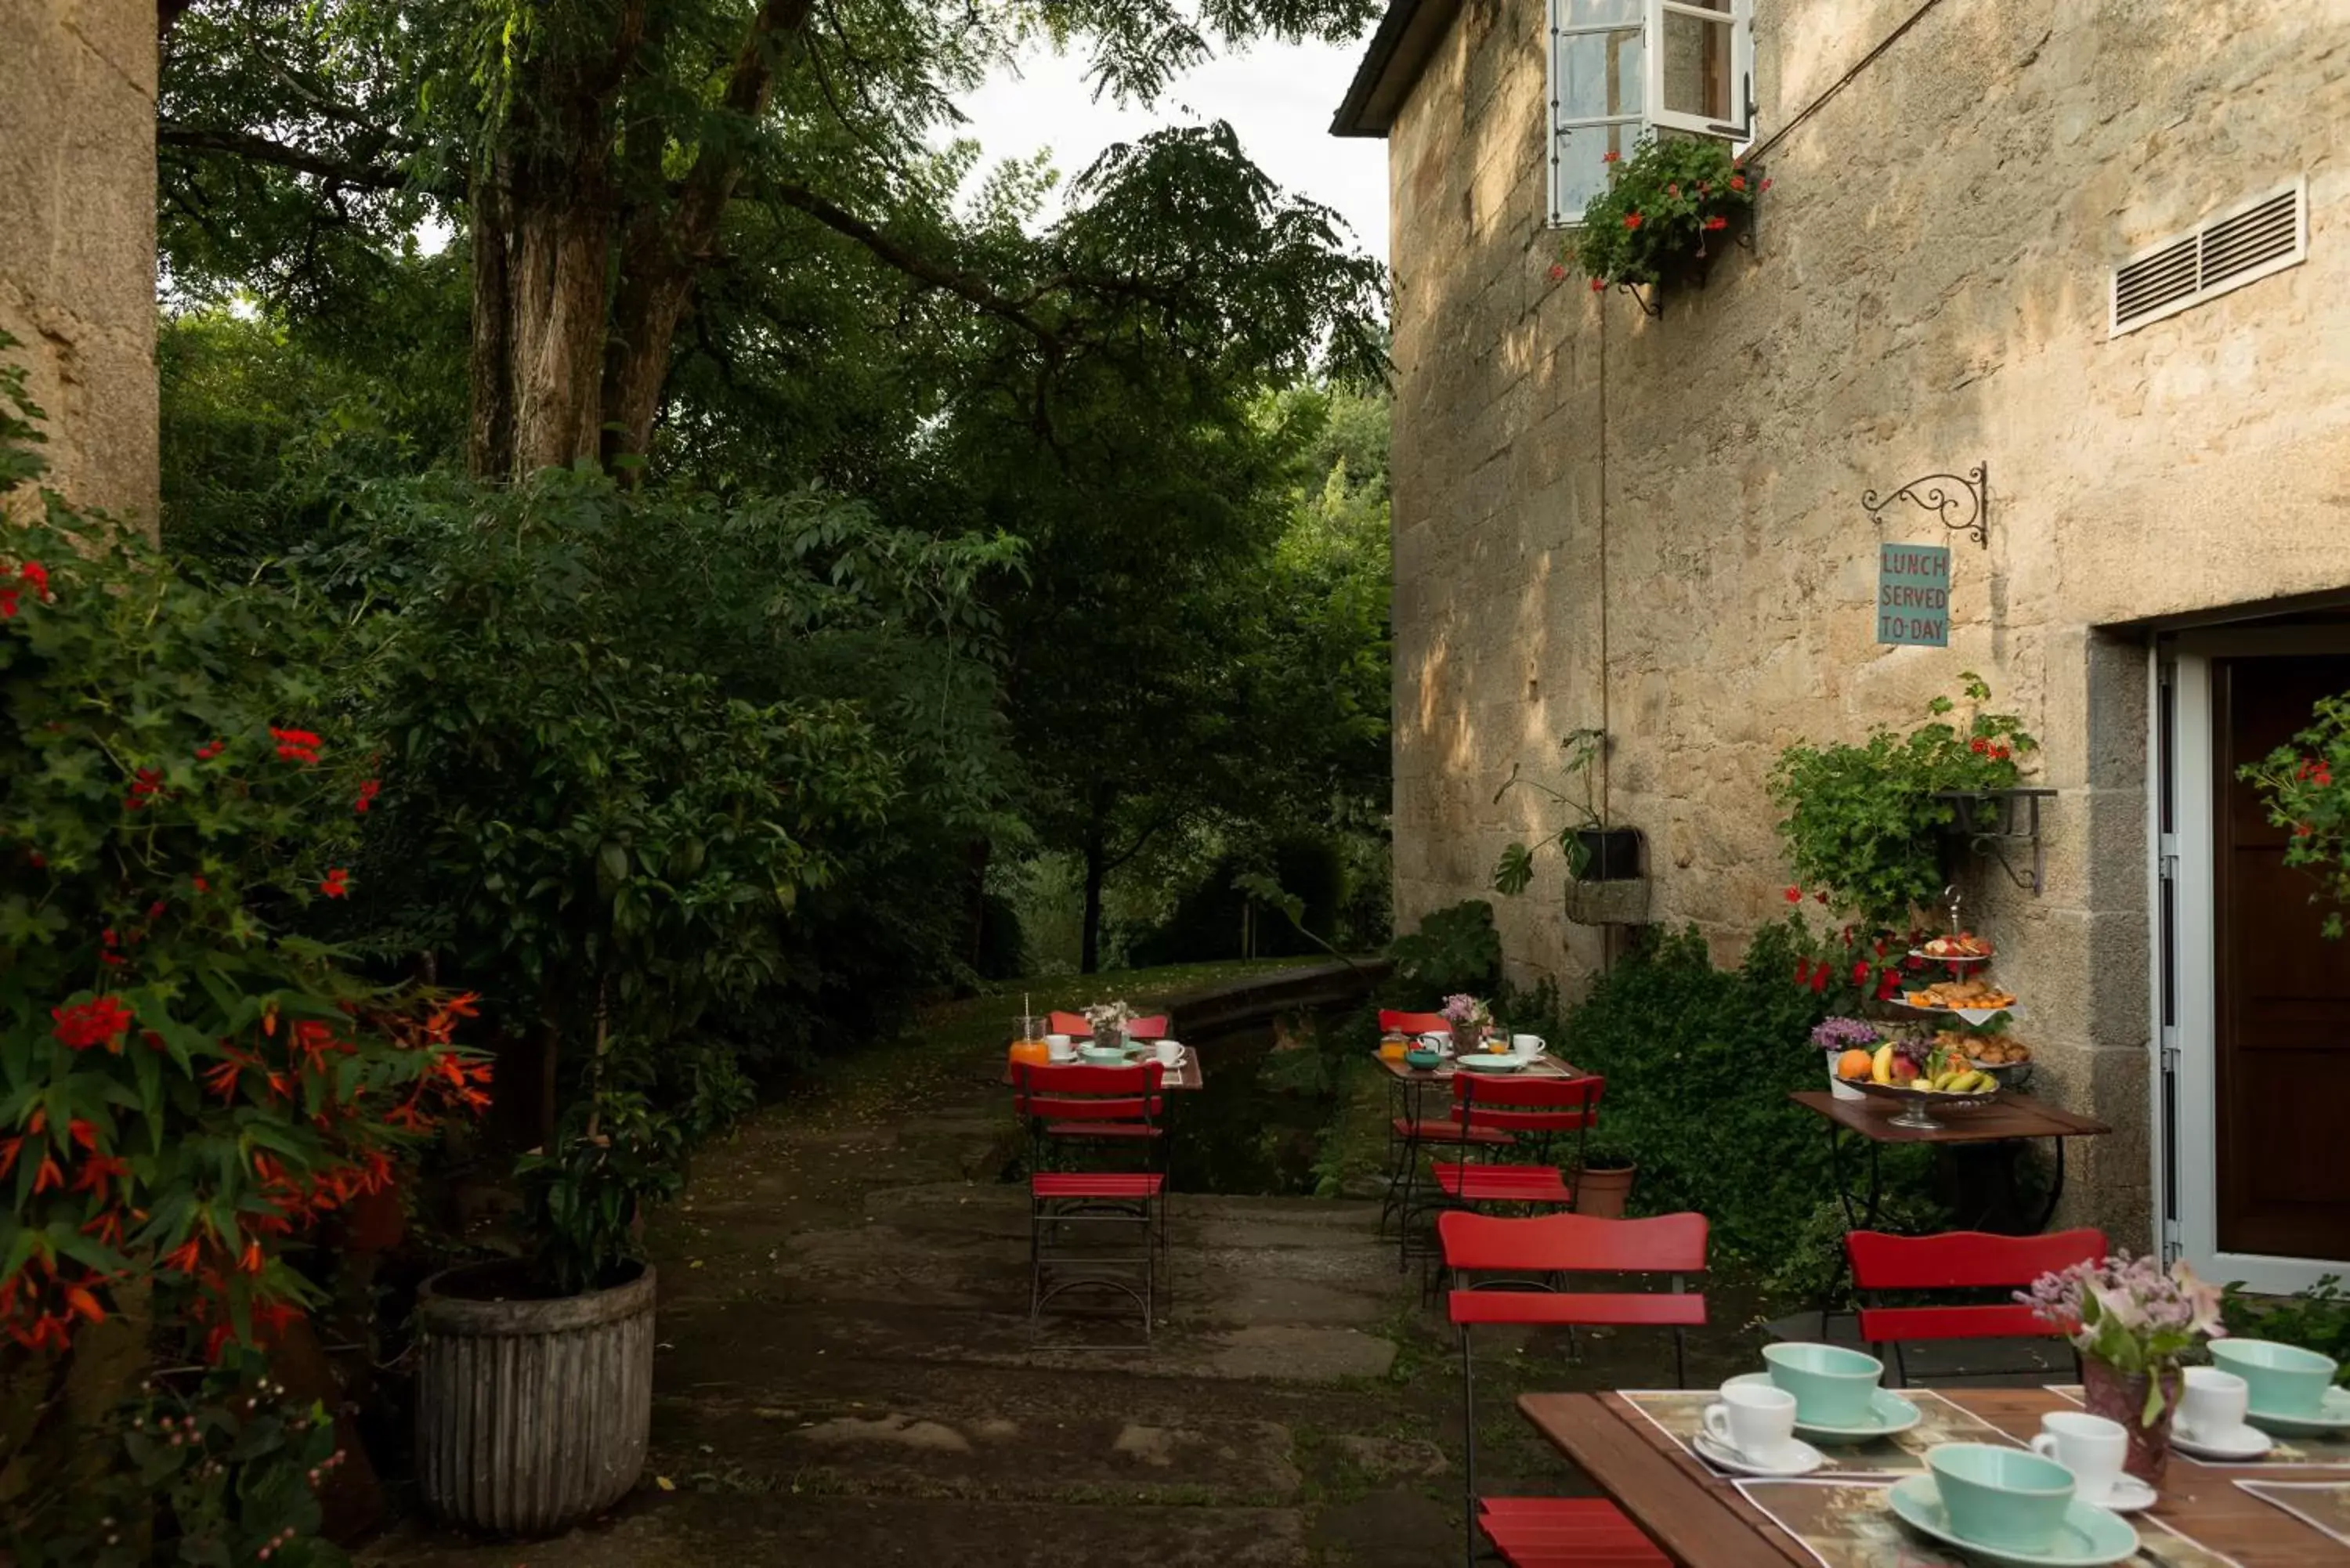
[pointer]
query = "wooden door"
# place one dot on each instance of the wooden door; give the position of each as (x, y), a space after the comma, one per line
(2284, 1002)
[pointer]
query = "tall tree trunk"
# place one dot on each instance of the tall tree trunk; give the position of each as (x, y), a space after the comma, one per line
(562, 261)
(1096, 870)
(489, 440)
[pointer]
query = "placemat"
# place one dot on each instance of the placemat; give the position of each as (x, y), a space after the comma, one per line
(2323, 1505)
(1679, 1414)
(2285, 1454)
(1851, 1524)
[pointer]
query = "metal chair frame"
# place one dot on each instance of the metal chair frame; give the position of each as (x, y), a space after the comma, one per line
(1061, 1096)
(1552, 1247)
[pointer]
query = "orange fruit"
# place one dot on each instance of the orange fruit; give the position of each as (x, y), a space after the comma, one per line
(1853, 1065)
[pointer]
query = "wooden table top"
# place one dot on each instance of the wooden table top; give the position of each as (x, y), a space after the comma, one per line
(1187, 1076)
(1702, 1522)
(2010, 1116)
(1548, 1068)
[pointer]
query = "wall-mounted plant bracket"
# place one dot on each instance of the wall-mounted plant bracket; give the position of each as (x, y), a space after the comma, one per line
(1993, 822)
(1961, 504)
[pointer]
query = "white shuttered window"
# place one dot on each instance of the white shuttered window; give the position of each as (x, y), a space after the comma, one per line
(1621, 69)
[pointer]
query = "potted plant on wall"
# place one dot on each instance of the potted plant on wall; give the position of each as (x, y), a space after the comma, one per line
(1670, 209)
(1605, 883)
(534, 1376)
(1865, 822)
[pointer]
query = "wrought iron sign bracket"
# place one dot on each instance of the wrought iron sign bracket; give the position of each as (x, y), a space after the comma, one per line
(1961, 504)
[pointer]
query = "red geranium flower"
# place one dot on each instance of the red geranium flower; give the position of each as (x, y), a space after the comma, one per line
(1632, 220)
(337, 884)
(1716, 222)
(38, 575)
(373, 787)
(1598, 284)
(1738, 182)
(1610, 156)
(1556, 272)
(100, 1021)
(1794, 895)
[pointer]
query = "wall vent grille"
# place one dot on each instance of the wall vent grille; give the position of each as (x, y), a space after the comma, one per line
(2227, 251)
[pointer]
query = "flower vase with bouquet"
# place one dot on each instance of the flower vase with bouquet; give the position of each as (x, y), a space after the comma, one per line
(2134, 1323)
(1471, 1018)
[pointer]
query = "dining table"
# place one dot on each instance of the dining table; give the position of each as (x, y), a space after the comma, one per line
(1186, 1075)
(2206, 1517)
(2013, 1117)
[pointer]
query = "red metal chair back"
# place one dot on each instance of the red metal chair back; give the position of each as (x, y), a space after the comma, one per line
(1528, 1105)
(1075, 1024)
(1064, 1094)
(1959, 1259)
(1534, 1250)
(1151, 1028)
(1573, 1244)
(1392, 1023)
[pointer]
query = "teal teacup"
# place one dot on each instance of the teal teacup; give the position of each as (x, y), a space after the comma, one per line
(2009, 1500)
(2279, 1379)
(1832, 1386)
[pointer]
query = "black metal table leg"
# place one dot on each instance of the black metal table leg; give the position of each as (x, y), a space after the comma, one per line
(2055, 1191)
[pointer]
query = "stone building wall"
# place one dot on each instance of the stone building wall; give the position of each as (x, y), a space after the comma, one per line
(78, 237)
(1654, 525)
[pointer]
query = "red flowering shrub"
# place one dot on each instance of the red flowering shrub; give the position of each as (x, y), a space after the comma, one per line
(1665, 211)
(2306, 788)
(183, 1087)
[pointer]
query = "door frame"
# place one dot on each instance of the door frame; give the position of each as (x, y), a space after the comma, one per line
(2182, 884)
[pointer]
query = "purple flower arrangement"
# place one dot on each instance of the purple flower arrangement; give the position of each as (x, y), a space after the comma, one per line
(2129, 1313)
(1847, 1034)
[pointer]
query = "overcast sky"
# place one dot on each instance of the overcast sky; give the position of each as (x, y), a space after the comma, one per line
(1279, 98)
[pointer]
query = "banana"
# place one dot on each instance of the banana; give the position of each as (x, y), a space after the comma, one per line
(1944, 1081)
(1880, 1069)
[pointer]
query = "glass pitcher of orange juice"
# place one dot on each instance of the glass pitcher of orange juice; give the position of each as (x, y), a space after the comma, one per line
(1028, 1041)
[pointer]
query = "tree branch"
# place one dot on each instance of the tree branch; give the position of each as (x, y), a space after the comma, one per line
(914, 264)
(301, 160)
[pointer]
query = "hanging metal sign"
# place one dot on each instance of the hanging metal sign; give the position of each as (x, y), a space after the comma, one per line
(1913, 595)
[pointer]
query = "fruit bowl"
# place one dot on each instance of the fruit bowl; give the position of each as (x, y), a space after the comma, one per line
(1917, 1105)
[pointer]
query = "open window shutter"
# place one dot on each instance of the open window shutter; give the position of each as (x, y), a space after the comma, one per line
(1699, 65)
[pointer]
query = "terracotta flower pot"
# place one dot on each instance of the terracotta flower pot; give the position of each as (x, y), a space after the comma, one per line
(2120, 1397)
(1600, 1194)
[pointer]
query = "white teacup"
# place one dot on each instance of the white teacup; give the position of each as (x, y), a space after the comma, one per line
(1754, 1420)
(1061, 1047)
(2212, 1406)
(1528, 1045)
(2091, 1446)
(1440, 1044)
(1169, 1052)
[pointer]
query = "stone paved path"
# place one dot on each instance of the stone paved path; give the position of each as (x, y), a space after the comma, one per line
(847, 1374)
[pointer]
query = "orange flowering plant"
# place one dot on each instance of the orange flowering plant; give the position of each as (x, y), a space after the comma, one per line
(185, 1086)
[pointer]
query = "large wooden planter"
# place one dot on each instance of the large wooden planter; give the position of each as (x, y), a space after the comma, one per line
(530, 1414)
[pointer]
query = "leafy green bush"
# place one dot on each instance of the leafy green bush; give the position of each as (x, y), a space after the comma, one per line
(209, 1466)
(1699, 1062)
(1862, 822)
(1454, 949)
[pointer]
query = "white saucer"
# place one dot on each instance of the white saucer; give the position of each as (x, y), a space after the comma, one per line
(2130, 1495)
(2090, 1537)
(2242, 1446)
(1806, 1457)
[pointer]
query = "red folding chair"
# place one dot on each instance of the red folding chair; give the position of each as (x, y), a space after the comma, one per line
(1409, 1133)
(1532, 1260)
(1076, 1026)
(1098, 1100)
(1540, 1110)
(1957, 1260)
